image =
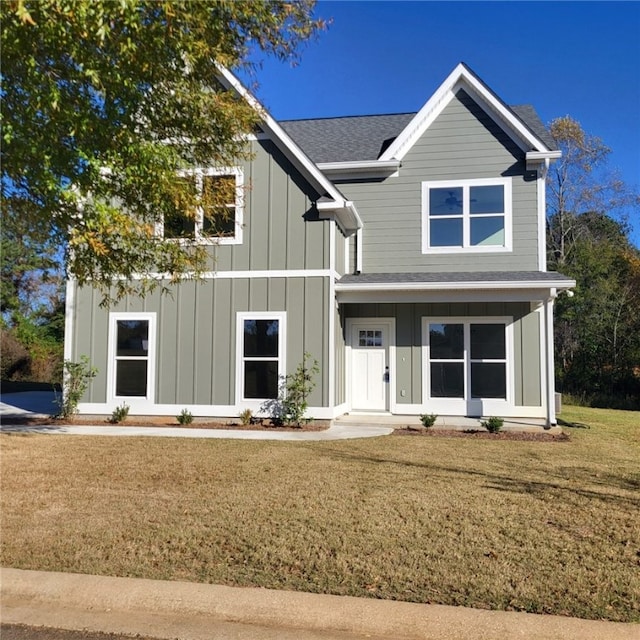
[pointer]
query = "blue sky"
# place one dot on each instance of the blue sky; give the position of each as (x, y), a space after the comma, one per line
(566, 58)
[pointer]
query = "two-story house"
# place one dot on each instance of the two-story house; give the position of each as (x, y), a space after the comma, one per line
(406, 253)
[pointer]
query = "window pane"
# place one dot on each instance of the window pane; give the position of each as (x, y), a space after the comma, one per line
(179, 225)
(445, 233)
(218, 205)
(131, 377)
(446, 341)
(261, 379)
(488, 380)
(487, 342)
(261, 338)
(445, 202)
(487, 199)
(487, 231)
(447, 380)
(133, 338)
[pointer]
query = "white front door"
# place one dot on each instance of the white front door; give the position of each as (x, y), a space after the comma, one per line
(369, 367)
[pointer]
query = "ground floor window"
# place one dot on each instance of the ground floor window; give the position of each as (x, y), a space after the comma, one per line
(466, 359)
(261, 349)
(131, 356)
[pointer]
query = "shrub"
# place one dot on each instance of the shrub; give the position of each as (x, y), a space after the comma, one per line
(77, 376)
(428, 419)
(493, 424)
(246, 417)
(185, 417)
(120, 413)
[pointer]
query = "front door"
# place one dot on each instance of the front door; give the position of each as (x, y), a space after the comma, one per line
(369, 367)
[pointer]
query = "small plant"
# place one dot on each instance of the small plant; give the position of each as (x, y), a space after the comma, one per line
(428, 419)
(76, 378)
(291, 404)
(246, 417)
(493, 424)
(120, 413)
(185, 417)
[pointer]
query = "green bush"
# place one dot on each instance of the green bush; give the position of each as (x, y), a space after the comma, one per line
(77, 376)
(493, 424)
(120, 413)
(185, 417)
(246, 417)
(428, 419)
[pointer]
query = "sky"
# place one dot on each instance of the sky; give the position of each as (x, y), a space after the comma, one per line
(565, 58)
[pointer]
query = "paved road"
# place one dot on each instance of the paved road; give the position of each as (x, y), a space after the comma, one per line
(23, 632)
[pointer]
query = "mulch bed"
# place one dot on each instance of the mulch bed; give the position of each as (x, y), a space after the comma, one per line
(161, 421)
(482, 435)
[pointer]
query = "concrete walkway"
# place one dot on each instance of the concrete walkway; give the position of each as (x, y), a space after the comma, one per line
(189, 611)
(335, 432)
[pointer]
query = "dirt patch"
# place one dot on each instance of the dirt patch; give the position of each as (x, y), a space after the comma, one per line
(164, 421)
(482, 435)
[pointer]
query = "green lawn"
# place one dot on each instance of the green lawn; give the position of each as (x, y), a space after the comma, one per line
(547, 527)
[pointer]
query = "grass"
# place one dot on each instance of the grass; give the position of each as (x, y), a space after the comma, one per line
(546, 527)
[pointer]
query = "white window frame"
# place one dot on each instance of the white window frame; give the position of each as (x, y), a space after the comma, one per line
(468, 405)
(466, 215)
(135, 401)
(198, 174)
(281, 316)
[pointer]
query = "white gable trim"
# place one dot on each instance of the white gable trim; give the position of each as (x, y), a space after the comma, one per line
(345, 210)
(462, 78)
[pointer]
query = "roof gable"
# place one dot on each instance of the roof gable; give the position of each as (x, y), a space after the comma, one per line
(463, 78)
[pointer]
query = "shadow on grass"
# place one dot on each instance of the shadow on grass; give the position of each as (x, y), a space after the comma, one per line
(553, 486)
(573, 425)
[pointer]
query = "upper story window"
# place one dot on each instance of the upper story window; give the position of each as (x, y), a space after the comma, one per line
(466, 215)
(219, 209)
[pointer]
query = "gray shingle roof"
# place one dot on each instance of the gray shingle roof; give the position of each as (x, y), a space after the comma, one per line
(366, 137)
(514, 277)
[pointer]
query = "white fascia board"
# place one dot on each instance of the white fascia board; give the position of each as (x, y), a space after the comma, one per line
(345, 212)
(560, 285)
(278, 135)
(360, 169)
(541, 159)
(459, 77)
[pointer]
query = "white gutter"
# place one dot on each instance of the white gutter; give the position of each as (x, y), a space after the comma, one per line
(344, 210)
(382, 168)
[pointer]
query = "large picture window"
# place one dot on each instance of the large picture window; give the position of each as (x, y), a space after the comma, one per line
(466, 360)
(261, 348)
(132, 353)
(219, 210)
(469, 215)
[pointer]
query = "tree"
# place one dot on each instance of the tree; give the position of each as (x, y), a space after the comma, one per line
(103, 102)
(579, 183)
(597, 332)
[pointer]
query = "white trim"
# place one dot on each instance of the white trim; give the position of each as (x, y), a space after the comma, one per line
(542, 219)
(550, 395)
(465, 406)
(456, 286)
(133, 401)
(461, 77)
(69, 312)
(360, 169)
(197, 410)
(255, 403)
(449, 295)
(331, 306)
(542, 356)
(345, 210)
(347, 257)
(466, 216)
(358, 265)
(390, 325)
(264, 273)
(199, 173)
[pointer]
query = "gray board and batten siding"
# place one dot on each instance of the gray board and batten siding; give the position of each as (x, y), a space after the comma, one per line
(196, 321)
(409, 361)
(462, 143)
(196, 334)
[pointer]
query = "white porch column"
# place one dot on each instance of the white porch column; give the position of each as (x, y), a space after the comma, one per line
(551, 386)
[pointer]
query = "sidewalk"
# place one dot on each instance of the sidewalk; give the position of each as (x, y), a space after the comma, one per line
(189, 611)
